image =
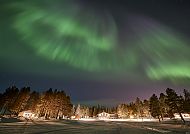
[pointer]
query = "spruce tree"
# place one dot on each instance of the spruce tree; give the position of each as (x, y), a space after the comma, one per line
(174, 102)
(154, 107)
(186, 101)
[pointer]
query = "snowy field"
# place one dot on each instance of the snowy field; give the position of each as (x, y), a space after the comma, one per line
(92, 127)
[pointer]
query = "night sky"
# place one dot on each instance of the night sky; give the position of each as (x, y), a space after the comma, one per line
(98, 51)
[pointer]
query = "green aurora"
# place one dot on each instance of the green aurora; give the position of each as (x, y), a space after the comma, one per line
(91, 43)
(63, 38)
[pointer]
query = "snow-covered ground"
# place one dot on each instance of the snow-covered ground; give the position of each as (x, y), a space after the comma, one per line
(121, 120)
(92, 127)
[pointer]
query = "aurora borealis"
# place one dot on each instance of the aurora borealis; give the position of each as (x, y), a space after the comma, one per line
(125, 48)
(68, 40)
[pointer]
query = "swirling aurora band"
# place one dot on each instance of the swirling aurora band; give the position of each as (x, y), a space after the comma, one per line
(69, 39)
(65, 39)
(167, 54)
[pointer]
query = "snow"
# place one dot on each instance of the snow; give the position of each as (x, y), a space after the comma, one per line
(8, 119)
(120, 120)
(157, 130)
(92, 126)
(87, 119)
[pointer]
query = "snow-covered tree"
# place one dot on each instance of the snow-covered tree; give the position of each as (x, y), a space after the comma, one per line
(122, 111)
(78, 111)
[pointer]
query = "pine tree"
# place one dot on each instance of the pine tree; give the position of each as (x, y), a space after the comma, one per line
(95, 111)
(163, 106)
(21, 100)
(175, 102)
(122, 111)
(47, 103)
(146, 112)
(78, 112)
(8, 98)
(155, 107)
(91, 111)
(130, 110)
(186, 101)
(138, 105)
(134, 110)
(32, 101)
(85, 111)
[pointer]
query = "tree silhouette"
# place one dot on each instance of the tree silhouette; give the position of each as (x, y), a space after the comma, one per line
(32, 101)
(186, 101)
(8, 98)
(146, 112)
(155, 107)
(56, 104)
(21, 100)
(163, 106)
(175, 102)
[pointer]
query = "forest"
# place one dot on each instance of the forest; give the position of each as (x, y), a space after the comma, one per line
(166, 105)
(56, 104)
(163, 106)
(51, 103)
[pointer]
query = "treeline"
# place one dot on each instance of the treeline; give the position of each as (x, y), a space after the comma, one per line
(56, 104)
(136, 109)
(82, 111)
(51, 103)
(158, 107)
